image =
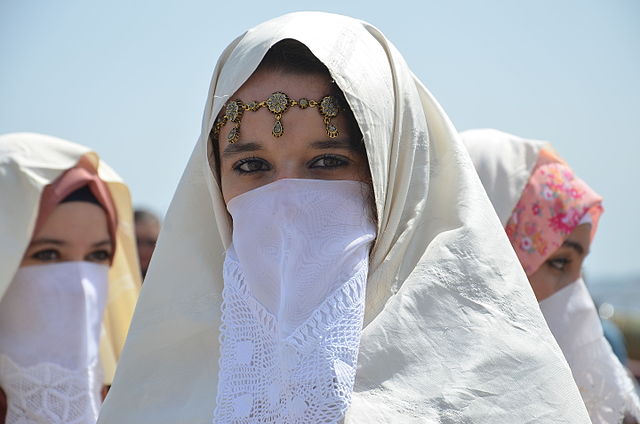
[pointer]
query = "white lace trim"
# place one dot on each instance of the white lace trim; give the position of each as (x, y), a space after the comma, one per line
(307, 377)
(605, 386)
(47, 393)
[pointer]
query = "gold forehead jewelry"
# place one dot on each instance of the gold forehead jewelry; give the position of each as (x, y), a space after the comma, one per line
(277, 103)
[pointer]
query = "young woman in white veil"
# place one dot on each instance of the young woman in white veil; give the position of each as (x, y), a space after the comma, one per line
(68, 279)
(550, 216)
(330, 255)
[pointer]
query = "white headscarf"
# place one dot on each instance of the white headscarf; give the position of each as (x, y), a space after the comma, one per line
(30, 162)
(452, 329)
(505, 163)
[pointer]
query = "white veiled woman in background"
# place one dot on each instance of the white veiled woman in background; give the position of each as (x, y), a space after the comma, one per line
(330, 255)
(68, 279)
(550, 216)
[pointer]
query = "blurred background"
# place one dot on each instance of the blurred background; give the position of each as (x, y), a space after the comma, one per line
(130, 78)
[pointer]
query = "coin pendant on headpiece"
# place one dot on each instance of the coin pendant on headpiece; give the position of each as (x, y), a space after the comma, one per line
(329, 106)
(233, 111)
(278, 102)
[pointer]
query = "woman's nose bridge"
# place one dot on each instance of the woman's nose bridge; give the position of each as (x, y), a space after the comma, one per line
(76, 255)
(290, 169)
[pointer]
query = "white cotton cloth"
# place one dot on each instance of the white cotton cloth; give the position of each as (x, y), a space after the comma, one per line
(452, 331)
(603, 382)
(293, 301)
(50, 320)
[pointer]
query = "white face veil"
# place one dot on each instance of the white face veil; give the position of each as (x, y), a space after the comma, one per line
(504, 163)
(452, 331)
(50, 321)
(293, 301)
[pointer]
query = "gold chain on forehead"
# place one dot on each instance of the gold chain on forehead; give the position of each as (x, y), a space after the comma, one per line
(277, 103)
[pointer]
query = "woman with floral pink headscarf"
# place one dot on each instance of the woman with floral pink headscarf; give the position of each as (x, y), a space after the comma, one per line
(550, 216)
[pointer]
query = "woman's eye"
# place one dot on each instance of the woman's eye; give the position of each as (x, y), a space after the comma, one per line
(329, 161)
(250, 165)
(46, 255)
(99, 256)
(558, 263)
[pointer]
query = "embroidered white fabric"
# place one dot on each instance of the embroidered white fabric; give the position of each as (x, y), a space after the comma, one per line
(47, 393)
(50, 321)
(605, 386)
(295, 279)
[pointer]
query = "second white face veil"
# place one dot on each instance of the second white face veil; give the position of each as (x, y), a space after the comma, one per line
(50, 320)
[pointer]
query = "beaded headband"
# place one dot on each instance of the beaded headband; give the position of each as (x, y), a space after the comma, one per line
(277, 103)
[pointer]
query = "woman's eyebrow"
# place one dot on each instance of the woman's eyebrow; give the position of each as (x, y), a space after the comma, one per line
(234, 148)
(332, 144)
(106, 242)
(45, 240)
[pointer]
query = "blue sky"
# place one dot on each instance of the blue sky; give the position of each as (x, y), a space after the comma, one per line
(130, 78)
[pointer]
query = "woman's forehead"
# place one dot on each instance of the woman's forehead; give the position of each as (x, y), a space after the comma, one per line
(263, 83)
(579, 239)
(74, 215)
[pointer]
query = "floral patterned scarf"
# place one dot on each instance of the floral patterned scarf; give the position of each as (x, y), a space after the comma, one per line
(552, 205)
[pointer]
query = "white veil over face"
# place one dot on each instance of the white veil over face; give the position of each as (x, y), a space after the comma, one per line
(452, 332)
